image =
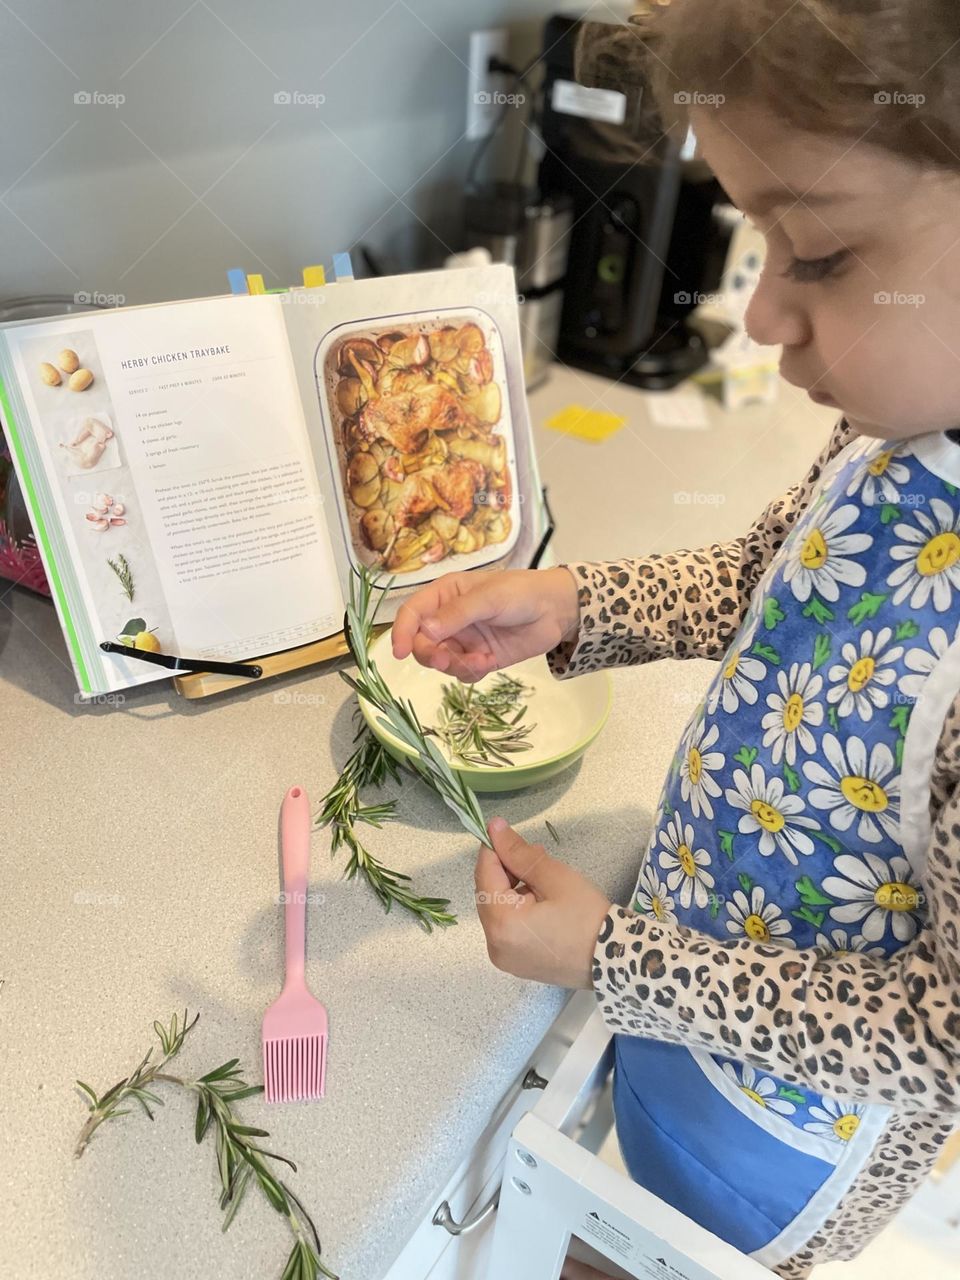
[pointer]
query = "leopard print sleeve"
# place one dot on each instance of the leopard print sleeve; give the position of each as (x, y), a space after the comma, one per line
(687, 604)
(848, 1025)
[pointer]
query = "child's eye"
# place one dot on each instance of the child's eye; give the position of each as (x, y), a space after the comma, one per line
(809, 270)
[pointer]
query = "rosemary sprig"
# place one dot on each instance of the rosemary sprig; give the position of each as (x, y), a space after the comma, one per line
(239, 1159)
(397, 714)
(342, 809)
(475, 726)
(123, 572)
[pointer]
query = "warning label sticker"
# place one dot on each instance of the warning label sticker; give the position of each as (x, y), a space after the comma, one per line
(608, 1234)
(649, 1257)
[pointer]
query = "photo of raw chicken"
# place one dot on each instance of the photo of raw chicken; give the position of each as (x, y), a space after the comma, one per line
(89, 443)
(423, 441)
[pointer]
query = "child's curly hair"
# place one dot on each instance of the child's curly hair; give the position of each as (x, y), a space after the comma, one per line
(886, 71)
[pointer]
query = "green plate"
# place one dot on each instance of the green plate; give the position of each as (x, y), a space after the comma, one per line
(567, 715)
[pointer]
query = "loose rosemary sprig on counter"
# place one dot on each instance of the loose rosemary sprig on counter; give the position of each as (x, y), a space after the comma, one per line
(397, 714)
(239, 1159)
(342, 809)
(475, 726)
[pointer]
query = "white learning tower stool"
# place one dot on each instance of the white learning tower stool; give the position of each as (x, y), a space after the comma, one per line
(555, 1187)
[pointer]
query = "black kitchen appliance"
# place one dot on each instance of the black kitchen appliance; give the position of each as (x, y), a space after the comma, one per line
(649, 235)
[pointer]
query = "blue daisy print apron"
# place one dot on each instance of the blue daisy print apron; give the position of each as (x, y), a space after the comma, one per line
(796, 812)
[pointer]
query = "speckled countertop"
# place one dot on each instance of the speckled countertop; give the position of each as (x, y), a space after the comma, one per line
(139, 875)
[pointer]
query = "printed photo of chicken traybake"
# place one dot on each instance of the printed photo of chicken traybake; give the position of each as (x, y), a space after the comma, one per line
(423, 439)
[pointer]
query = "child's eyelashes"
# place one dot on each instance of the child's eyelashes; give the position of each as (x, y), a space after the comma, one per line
(810, 270)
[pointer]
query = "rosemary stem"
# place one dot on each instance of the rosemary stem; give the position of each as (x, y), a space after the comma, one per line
(241, 1161)
(97, 1116)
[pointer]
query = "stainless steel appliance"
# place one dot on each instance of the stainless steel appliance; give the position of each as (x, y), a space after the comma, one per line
(532, 232)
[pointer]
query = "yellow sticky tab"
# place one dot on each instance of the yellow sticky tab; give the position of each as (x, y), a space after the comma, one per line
(586, 424)
(255, 284)
(314, 276)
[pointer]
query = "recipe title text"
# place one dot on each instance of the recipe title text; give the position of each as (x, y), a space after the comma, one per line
(171, 357)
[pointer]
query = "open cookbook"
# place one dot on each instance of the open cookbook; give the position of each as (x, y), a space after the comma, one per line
(202, 476)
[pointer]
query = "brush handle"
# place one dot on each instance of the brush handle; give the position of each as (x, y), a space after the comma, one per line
(295, 850)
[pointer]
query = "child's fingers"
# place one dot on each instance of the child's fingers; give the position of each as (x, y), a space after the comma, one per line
(461, 613)
(497, 893)
(425, 603)
(409, 616)
(453, 659)
(489, 875)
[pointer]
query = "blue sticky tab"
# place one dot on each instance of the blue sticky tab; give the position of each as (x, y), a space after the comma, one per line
(342, 266)
(238, 280)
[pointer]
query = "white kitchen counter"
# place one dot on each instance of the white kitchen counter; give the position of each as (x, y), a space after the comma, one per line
(139, 876)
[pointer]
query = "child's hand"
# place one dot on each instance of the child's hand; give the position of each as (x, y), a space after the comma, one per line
(541, 918)
(470, 624)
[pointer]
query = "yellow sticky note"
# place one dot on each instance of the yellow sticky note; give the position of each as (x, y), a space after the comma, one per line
(587, 424)
(255, 284)
(313, 277)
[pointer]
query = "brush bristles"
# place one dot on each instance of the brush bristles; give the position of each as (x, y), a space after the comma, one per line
(294, 1068)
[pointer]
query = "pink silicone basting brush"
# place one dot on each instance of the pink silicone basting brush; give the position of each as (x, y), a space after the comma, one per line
(295, 1025)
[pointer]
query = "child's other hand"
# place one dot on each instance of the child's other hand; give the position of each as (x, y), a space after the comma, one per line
(541, 918)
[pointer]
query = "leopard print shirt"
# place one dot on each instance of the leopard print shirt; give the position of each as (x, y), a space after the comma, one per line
(853, 1026)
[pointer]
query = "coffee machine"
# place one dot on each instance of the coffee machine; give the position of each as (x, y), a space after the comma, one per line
(650, 228)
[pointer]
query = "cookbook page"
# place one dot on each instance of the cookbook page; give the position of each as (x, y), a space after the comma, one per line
(413, 392)
(165, 461)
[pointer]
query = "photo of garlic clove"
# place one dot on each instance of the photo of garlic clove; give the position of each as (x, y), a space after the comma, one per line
(106, 510)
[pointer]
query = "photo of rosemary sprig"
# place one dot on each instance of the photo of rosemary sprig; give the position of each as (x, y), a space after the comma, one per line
(239, 1159)
(123, 572)
(484, 728)
(342, 809)
(397, 714)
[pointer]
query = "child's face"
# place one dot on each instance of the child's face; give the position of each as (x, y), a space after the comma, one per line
(869, 317)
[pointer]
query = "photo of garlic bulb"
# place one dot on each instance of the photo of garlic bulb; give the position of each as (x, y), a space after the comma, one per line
(91, 444)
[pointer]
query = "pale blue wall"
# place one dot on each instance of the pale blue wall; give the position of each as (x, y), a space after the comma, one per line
(102, 198)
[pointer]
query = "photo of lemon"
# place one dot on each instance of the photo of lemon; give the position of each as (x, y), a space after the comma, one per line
(136, 636)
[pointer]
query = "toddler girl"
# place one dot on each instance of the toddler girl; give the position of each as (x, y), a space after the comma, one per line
(785, 985)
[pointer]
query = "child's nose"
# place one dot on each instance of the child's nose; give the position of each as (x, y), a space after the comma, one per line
(773, 317)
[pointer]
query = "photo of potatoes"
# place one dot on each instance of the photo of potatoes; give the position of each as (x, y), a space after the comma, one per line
(423, 441)
(67, 372)
(72, 400)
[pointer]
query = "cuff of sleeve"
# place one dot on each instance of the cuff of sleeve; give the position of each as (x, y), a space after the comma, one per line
(600, 641)
(610, 952)
(566, 659)
(616, 968)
